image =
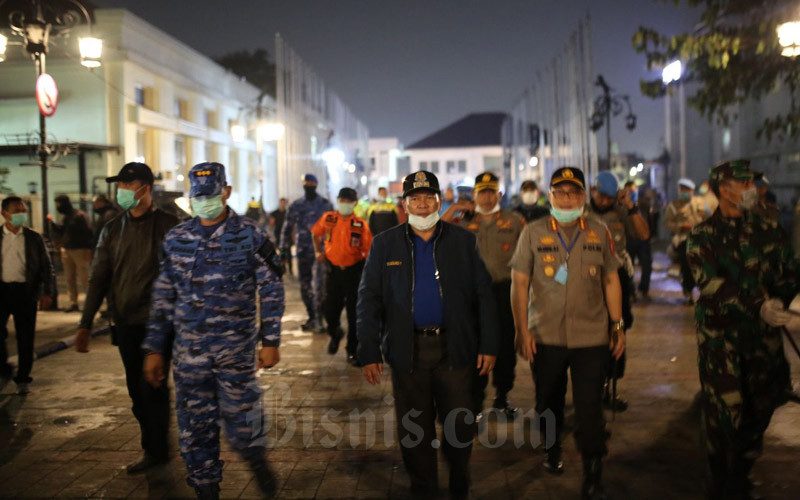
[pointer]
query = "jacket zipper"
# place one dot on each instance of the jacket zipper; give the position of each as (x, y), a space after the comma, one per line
(436, 275)
(413, 284)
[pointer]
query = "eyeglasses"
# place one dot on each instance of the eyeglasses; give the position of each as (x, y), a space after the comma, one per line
(562, 194)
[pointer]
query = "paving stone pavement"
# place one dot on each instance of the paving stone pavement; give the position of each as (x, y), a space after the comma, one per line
(72, 436)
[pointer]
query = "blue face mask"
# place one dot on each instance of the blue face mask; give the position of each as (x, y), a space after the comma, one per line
(126, 198)
(19, 220)
(208, 207)
(684, 196)
(565, 216)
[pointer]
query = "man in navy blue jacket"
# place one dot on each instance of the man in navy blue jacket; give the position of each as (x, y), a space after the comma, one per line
(425, 305)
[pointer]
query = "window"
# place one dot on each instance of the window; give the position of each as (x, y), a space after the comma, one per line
(451, 167)
(462, 166)
(180, 153)
(210, 119)
(138, 93)
(435, 167)
(181, 109)
(423, 165)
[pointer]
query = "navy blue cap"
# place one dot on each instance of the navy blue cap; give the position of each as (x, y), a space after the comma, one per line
(206, 179)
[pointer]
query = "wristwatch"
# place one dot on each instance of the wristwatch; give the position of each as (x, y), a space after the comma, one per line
(618, 325)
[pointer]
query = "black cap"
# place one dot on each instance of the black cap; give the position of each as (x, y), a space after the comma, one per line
(133, 171)
(568, 174)
(487, 180)
(348, 194)
(420, 181)
(529, 184)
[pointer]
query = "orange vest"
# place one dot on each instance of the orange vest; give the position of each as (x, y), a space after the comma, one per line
(347, 239)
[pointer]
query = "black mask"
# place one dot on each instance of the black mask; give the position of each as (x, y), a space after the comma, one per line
(62, 209)
(311, 192)
(101, 210)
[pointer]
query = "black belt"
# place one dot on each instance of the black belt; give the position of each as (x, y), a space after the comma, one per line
(429, 331)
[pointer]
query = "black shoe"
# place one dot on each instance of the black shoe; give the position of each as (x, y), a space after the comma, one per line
(207, 492)
(352, 360)
(144, 463)
(618, 404)
(502, 404)
(319, 327)
(73, 308)
(308, 326)
(592, 488)
(333, 345)
(7, 371)
(265, 478)
(554, 461)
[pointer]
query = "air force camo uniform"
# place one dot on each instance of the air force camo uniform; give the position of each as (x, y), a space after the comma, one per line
(302, 215)
(206, 292)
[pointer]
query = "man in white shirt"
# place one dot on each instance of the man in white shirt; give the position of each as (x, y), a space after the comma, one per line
(26, 276)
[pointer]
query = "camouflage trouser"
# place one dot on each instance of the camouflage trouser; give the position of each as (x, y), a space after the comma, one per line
(213, 384)
(741, 387)
(312, 282)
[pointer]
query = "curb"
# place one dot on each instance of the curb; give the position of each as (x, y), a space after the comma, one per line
(58, 345)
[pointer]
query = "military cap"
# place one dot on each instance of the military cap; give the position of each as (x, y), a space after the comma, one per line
(420, 181)
(206, 179)
(607, 184)
(568, 174)
(347, 193)
(310, 178)
(738, 170)
(487, 180)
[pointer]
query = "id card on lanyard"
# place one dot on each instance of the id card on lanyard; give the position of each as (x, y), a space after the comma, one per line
(562, 273)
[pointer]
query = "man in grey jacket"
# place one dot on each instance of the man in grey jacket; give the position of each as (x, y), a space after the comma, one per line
(125, 264)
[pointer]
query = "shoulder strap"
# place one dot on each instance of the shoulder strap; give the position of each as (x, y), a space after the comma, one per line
(268, 253)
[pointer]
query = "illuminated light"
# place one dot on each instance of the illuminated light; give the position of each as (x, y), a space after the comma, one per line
(640, 167)
(180, 177)
(333, 157)
(363, 180)
(521, 167)
(184, 204)
(271, 131)
(634, 171)
(91, 50)
(3, 45)
(238, 133)
(671, 72)
(534, 161)
(789, 38)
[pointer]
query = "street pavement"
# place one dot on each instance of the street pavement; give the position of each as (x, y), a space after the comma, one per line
(332, 435)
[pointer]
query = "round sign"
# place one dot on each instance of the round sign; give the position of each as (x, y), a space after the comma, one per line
(46, 94)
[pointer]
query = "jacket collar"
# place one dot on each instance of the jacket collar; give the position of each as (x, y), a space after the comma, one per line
(232, 221)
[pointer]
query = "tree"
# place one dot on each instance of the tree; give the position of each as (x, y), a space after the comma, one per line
(255, 67)
(734, 55)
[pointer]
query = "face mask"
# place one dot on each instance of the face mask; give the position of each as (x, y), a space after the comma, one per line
(421, 223)
(346, 208)
(529, 197)
(482, 211)
(62, 210)
(311, 192)
(703, 189)
(126, 198)
(565, 216)
(18, 220)
(684, 196)
(749, 199)
(209, 208)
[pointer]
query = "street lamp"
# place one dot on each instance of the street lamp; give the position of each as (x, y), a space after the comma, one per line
(269, 132)
(605, 106)
(789, 38)
(672, 74)
(35, 22)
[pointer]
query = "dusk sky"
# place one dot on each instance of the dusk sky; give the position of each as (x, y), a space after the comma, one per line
(407, 68)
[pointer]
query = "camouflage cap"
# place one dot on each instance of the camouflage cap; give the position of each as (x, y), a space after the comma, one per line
(206, 179)
(738, 170)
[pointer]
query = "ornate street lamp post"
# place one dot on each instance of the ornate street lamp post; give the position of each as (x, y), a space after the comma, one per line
(35, 22)
(606, 105)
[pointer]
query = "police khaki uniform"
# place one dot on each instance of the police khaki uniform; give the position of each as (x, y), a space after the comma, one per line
(497, 233)
(570, 268)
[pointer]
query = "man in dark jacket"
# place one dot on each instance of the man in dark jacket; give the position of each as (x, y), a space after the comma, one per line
(425, 304)
(76, 247)
(104, 211)
(125, 264)
(26, 277)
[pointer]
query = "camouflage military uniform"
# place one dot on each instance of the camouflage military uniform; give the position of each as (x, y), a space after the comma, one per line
(206, 292)
(303, 214)
(737, 263)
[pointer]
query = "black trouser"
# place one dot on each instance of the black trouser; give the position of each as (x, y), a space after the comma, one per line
(687, 280)
(588, 368)
(503, 373)
(150, 404)
(434, 389)
(16, 301)
(618, 371)
(342, 291)
(641, 250)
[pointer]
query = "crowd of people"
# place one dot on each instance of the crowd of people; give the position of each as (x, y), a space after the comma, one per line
(447, 291)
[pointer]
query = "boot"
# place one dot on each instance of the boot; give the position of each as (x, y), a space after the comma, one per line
(618, 404)
(554, 461)
(716, 486)
(336, 338)
(592, 478)
(743, 479)
(207, 492)
(265, 478)
(502, 404)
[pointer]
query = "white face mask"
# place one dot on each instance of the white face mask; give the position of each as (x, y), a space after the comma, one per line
(529, 197)
(749, 199)
(481, 211)
(421, 223)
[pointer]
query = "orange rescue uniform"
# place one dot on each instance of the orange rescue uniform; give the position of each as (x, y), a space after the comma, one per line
(347, 239)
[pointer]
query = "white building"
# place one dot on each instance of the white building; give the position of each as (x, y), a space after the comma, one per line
(462, 150)
(154, 99)
(388, 164)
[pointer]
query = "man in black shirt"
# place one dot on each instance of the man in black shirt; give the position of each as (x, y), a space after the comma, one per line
(76, 247)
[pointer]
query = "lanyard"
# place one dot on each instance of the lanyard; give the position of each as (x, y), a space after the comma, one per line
(569, 248)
